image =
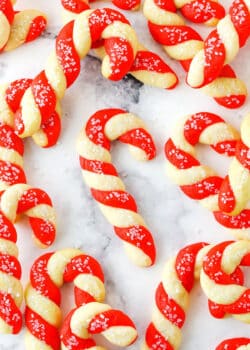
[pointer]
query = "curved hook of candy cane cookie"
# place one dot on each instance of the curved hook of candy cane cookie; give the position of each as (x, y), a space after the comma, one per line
(117, 205)
(10, 99)
(96, 318)
(235, 189)
(182, 43)
(196, 180)
(48, 273)
(221, 46)
(11, 290)
(34, 203)
(172, 296)
(222, 280)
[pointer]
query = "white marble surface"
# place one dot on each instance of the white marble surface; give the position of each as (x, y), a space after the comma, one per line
(174, 220)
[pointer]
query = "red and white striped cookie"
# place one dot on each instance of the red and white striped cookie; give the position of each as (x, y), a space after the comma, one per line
(91, 29)
(198, 181)
(11, 290)
(221, 46)
(148, 67)
(182, 43)
(22, 199)
(117, 205)
(172, 300)
(96, 318)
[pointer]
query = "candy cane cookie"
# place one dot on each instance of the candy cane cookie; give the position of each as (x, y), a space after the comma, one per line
(222, 45)
(117, 205)
(200, 182)
(90, 28)
(172, 301)
(172, 298)
(43, 315)
(196, 180)
(22, 199)
(11, 290)
(235, 190)
(182, 43)
(148, 67)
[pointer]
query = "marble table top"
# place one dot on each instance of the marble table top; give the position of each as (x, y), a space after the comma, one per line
(173, 219)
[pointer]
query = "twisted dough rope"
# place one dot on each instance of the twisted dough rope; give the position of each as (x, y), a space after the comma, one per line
(10, 99)
(182, 43)
(73, 43)
(235, 189)
(198, 181)
(222, 45)
(34, 203)
(172, 300)
(43, 314)
(117, 205)
(11, 290)
(222, 281)
(147, 67)
(96, 318)
(78, 6)
(17, 28)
